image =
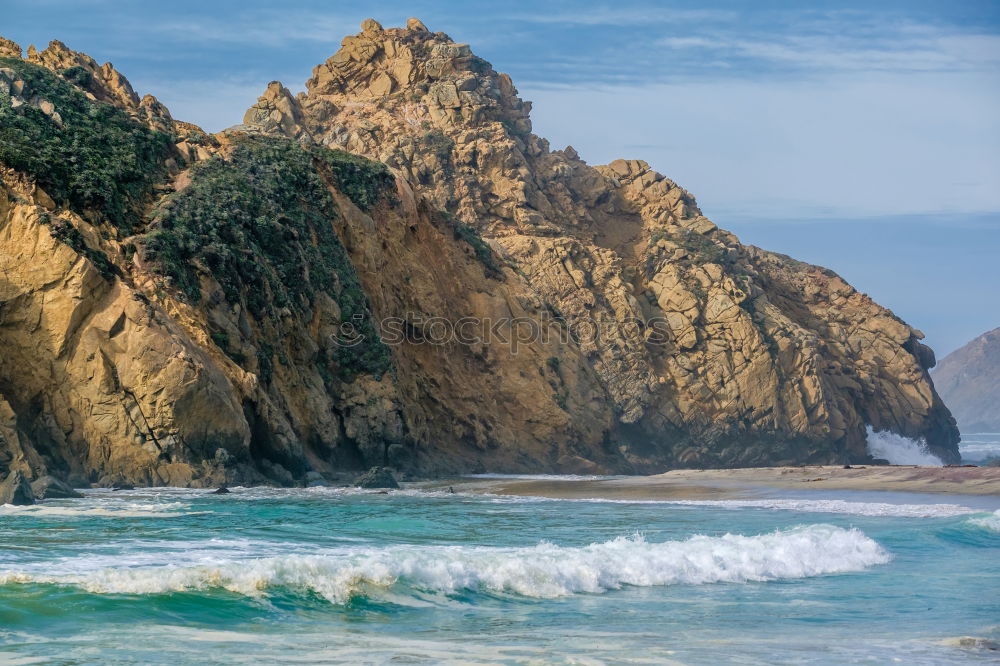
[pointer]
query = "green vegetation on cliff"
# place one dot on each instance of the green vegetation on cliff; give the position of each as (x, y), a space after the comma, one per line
(483, 251)
(363, 181)
(64, 231)
(260, 222)
(97, 158)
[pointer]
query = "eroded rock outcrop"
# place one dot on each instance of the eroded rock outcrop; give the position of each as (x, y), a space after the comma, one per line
(714, 353)
(161, 334)
(166, 323)
(16, 490)
(49, 487)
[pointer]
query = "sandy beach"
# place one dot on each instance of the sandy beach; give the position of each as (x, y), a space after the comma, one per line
(735, 483)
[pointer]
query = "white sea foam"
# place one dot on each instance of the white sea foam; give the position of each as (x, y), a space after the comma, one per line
(990, 522)
(116, 510)
(878, 509)
(900, 450)
(241, 493)
(542, 571)
(979, 447)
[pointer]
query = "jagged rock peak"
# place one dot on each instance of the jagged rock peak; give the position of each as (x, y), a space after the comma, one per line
(417, 65)
(104, 82)
(9, 49)
(99, 82)
(276, 112)
(416, 24)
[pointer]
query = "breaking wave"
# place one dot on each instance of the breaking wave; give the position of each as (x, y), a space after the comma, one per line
(542, 571)
(990, 522)
(130, 510)
(979, 447)
(899, 450)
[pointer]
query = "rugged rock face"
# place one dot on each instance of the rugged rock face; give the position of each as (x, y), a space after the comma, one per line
(162, 333)
(16, 490)
(712, 352)
(259, 306)
(969, 381)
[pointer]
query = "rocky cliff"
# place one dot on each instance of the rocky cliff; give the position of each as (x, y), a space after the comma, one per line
(712, 352)
(969, 380)
(192, 309)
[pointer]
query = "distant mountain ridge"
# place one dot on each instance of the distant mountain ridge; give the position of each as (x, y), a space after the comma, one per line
(968, 380)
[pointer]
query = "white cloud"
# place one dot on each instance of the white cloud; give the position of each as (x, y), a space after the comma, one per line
(268, 28)
(845, 145)
(915, 48)
(626, 17)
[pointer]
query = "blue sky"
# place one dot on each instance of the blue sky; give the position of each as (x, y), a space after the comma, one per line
(864, 136)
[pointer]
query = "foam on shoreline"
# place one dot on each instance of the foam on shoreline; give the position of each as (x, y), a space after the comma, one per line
(542, 571)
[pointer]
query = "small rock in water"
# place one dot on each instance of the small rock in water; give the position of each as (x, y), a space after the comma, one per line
(122, 486)
(221, 490)
(49, 487)
(377, 477)
(314, 479)
(16, 490)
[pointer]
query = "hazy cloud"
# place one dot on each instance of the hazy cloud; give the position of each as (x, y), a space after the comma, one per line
(841, 146)
(269, 28)
(606, 16)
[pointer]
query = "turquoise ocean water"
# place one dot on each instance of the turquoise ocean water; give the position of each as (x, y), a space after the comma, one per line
(979, 447)
(324, 575)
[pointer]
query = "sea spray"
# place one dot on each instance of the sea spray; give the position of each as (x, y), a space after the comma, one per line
(542, 571)
(990, 522)
(899, 450)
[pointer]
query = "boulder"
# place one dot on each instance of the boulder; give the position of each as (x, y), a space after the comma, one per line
(315, 480)
(377, 477)
(416, 24)
(16, 490)
(49, 487)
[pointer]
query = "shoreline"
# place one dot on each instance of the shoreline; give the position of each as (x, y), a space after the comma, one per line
(742, 482)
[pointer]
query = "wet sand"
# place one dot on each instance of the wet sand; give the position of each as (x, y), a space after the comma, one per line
(739, 483)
